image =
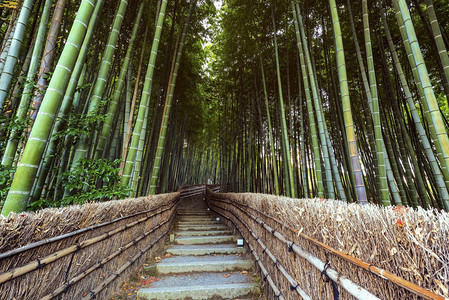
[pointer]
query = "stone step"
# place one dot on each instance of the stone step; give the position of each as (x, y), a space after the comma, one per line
(205, 215)
(214, 239)
(194, 214)
(191, 219)
(205, 249)
(201, 286)
(196, 227)
(203, 232)
(185, 264)
(198, 222)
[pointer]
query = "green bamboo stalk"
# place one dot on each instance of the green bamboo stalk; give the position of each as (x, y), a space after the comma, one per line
(48, 57)
(373, 143)
(102, 79)
(374, 105)
(316, 150)
(335, 169)
(7, 45)
(14, 51)
(398, 125)
(17, 91)
(442, 51)
(139, 156)
(112, 109)
(127, 133)
(129, 95)
(318, 109)
(365, 82)
(270, 129)
(416, 76)
(76, 79)
(144, 102)
(347, 114)
(289, 180)
(301, 141)
(115, 144)
(429, 95)
(11, 147)
(168, 103)
(416, 119)
(22, 184)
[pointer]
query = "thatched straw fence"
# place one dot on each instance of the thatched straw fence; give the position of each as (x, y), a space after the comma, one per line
(80, 252)
(317, 249)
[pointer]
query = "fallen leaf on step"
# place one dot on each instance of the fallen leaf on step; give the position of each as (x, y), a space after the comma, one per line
(244, 272)
(226, 275)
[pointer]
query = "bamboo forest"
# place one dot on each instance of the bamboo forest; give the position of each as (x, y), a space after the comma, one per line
(220, 149)
(109, 100)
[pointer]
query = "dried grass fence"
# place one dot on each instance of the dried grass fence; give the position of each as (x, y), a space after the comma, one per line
(366, 252)
(80, 252)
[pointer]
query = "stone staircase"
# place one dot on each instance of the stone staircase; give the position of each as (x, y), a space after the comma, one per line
(204, 262)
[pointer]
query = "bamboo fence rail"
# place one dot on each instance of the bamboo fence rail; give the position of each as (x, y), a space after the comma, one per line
(302, 265)
(90, 261)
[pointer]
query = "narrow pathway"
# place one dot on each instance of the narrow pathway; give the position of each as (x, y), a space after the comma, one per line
(205, 262)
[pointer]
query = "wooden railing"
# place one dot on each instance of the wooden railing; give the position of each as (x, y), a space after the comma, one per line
(296, 266)
(89, 262)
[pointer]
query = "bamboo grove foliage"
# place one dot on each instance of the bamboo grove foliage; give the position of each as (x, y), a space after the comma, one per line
(331, 99)
(360, 85)
(73, 92)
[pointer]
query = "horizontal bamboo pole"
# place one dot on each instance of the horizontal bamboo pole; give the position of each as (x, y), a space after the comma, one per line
(295, 286)
(420, 291)
(267, 276)
(352, 288)
(107, 259)
(39, 263)
(77, 232)
(92, 294)
(264, 271)
(369, 267)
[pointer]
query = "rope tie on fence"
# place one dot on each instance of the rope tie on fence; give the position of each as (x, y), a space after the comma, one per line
(327, 279)
(66, 288)
(40, 265)
(292, 288)
(290, 247)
